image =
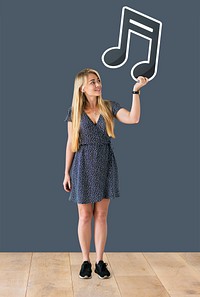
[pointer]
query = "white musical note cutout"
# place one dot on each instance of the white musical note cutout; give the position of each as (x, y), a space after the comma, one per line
(133, 21)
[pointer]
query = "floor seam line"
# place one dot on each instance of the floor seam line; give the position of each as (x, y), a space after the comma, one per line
(28, 275)
(71, 274)
(194, 269)
(114, 276)
(157, 276)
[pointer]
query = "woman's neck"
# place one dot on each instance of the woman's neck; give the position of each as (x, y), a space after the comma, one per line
(91, 102)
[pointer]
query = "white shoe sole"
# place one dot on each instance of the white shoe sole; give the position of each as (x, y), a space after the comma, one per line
(85, 277)
(103, 277)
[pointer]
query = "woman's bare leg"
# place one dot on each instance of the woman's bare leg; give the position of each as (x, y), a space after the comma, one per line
(84, 228)
(100, 227)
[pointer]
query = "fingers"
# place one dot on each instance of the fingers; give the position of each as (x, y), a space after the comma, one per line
(142, 79)
(67, 185)
(67, 188)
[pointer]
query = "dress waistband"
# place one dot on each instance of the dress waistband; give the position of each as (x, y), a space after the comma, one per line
(96, 143)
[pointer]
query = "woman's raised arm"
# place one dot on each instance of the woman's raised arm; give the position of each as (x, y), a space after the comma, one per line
(133, 116)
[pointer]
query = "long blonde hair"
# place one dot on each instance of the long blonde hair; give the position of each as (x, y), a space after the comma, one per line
(78, 104)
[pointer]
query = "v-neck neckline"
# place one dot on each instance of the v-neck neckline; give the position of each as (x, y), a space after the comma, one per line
(91, 120)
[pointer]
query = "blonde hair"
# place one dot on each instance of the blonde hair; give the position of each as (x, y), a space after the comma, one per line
(78, 104)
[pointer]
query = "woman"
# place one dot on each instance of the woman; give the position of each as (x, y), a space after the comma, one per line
(91, 173)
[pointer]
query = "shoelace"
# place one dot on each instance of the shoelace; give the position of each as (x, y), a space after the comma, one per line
(86, 266)
(104, 265)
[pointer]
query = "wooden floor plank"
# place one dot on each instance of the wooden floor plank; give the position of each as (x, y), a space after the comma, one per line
(141, 286)
(175, 274)
(192, 259)
(12, 291)
(50, 276)
(134, 276)
(129, 264)
(93, 287)
(14, 271)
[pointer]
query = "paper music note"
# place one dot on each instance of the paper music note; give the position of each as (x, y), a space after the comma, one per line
(133, 21)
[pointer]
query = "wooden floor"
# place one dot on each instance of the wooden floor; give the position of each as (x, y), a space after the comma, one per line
(133, 274)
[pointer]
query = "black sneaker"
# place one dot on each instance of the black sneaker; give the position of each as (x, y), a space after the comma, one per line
(86, 271)
(102, 270)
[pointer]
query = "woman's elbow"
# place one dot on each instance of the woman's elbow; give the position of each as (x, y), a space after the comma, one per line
(135, 121)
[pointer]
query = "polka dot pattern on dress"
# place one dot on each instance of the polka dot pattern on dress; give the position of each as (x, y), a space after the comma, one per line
(94, 172)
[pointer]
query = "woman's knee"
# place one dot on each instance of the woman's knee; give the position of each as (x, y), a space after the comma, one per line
(100, 214)
(85, 214)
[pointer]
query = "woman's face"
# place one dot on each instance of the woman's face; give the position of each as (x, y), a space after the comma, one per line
(93, 86)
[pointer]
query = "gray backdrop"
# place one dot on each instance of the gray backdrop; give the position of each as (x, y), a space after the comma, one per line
(43, 45)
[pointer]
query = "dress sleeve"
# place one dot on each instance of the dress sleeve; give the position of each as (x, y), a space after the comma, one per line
(69, 115)
(115, 107)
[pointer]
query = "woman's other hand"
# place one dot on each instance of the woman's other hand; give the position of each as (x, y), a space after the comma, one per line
(67, 183)
(141, 82)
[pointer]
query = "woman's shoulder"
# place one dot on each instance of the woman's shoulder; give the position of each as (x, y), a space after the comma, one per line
(109, 103)
(114, 106)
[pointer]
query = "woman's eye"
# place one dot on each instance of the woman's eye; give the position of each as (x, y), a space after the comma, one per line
(93, 82)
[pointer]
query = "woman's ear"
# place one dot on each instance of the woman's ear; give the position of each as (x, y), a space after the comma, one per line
(82, 89)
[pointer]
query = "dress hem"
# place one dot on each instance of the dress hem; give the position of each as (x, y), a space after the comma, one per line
(98, 200)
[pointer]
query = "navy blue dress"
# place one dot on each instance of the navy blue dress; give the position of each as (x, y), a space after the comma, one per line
(94, 172)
